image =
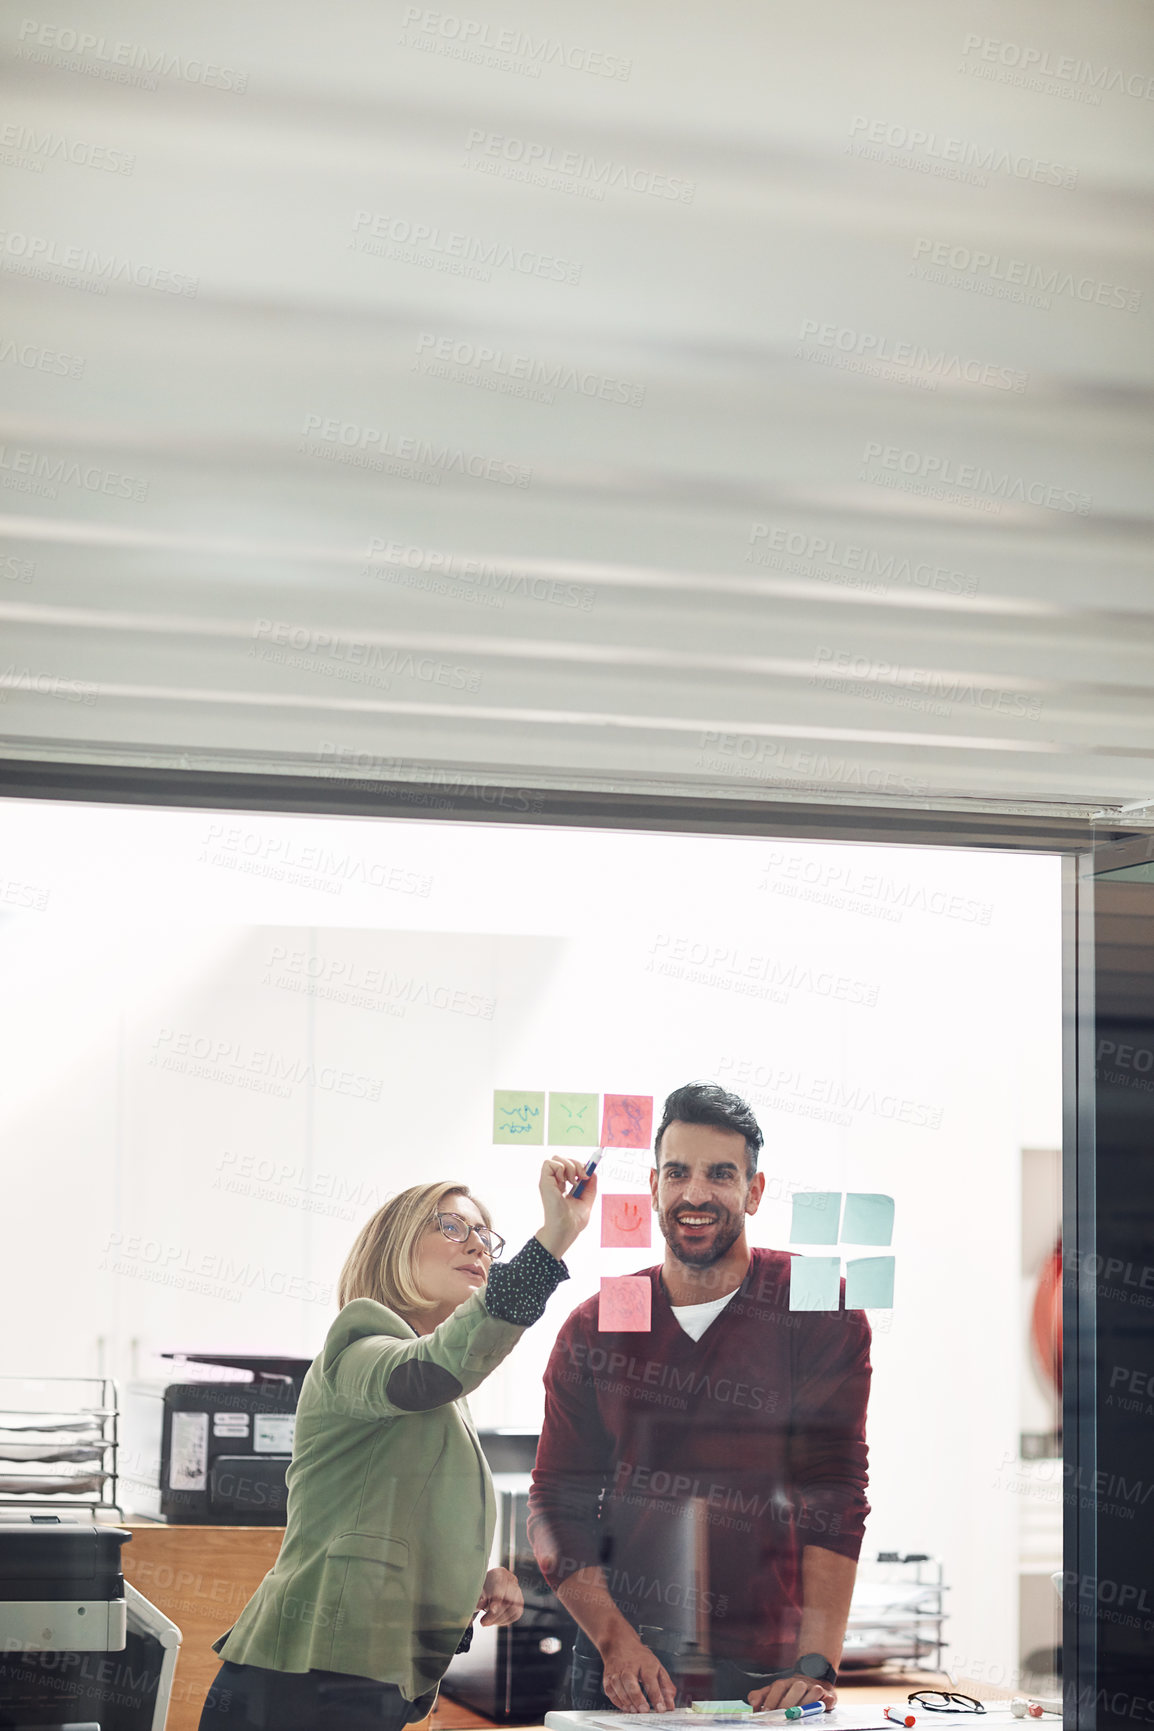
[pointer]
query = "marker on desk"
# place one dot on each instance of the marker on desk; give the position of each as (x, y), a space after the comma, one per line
(589, 1171)
(900, 1715)
(809, 1711)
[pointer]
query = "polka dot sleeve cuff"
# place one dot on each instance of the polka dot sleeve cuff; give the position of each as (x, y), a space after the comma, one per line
(517, 1290)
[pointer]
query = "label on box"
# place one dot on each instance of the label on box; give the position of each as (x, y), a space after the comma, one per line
(230, 1424)
(188, 1452)
(272, 1433)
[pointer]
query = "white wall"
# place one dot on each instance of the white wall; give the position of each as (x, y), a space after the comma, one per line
(910, 1045)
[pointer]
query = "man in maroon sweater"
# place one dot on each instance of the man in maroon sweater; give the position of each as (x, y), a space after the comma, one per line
(698, 1501)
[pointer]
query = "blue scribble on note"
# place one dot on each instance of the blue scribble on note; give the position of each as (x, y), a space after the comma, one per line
(627, 1121)
(518, 1117)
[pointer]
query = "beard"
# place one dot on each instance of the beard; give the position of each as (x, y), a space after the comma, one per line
(726, 1231)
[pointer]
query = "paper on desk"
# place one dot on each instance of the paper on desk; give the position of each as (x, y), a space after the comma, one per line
(848, 1719)
(851, 1717)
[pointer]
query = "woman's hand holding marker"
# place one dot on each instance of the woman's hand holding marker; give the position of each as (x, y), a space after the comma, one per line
(566, 1215)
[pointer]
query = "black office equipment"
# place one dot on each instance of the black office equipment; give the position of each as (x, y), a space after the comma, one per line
(215, 1453)
(81, 1648)
(515, 1675)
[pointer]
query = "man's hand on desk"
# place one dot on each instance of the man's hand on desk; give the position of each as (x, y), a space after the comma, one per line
(634, 1679)
(791, 1692)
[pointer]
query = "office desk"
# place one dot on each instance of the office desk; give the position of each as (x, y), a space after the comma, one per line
(450, 1716)
(857, 1708)
(202, 1577)
(848, 1716)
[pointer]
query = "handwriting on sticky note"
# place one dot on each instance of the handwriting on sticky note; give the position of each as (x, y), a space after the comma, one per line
(869, 1283)
(518, 1117)
(868, 1219)
(625, 1222)
(627, 1121)
(815, 1217)
(573, 1120)
(814, 1282)
(624, 1305)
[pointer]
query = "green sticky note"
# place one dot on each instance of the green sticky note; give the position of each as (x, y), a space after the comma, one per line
(868, 1219)
(814, 1282)
(518, 1117)
(869, 1283)
(815, 1217)
(573, 1121)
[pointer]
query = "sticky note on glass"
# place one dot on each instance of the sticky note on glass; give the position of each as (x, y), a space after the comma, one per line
(627, 1121)
(624, 1305)
(573, 1122)
(814, 1282)
(868, 1219)
(869, 1283)
(815, 1218)
(625, 1222)
(518, 1117)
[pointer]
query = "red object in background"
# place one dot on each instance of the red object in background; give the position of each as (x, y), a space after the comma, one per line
(1046, 1321)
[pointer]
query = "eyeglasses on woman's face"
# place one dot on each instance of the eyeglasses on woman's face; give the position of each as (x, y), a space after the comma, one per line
(457, 1229)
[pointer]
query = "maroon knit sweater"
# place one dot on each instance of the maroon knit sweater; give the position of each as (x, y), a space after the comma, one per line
(659, 1451)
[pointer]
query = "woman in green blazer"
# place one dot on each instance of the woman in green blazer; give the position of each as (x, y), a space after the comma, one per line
(391, 1509)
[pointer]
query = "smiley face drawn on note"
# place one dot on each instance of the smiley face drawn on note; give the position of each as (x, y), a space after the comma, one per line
(626, 1222)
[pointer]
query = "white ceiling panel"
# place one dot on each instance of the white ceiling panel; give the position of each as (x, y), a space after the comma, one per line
(738, 400)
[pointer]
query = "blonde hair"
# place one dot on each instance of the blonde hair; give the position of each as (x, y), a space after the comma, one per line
(382, 1263)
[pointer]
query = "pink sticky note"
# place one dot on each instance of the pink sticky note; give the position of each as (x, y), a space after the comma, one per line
(625, 1222)
(624, 1305)
(627, 1121)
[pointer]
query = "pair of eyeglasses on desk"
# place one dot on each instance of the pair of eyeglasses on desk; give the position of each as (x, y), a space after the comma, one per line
(944, 1701)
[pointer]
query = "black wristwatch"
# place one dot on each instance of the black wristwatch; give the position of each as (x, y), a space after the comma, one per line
(817, 1666)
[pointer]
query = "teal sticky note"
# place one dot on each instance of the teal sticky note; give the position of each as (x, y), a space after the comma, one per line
(815, 1217)
(518, 1117)
(573, 1121)
(869, 1283)
(814, 1282)
(867, 1219)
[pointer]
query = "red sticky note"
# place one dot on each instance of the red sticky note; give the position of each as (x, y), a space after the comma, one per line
(625, 1222)
(624, 1305)
(627, 1121)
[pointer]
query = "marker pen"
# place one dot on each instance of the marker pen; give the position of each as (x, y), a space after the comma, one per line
(901, 1715)
(589, 1171)
(809, 1711)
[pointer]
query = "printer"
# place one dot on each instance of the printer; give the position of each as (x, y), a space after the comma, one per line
(210, 1452)
(81, 1647)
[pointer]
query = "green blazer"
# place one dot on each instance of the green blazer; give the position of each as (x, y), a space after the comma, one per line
(391, 1508)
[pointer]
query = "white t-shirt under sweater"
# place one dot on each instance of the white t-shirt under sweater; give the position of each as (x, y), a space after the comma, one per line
(696, 1318)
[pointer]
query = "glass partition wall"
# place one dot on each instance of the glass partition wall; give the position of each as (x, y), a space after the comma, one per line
(231, 1037)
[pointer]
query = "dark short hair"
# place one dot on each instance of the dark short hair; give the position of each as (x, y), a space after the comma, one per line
(707, 1103)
